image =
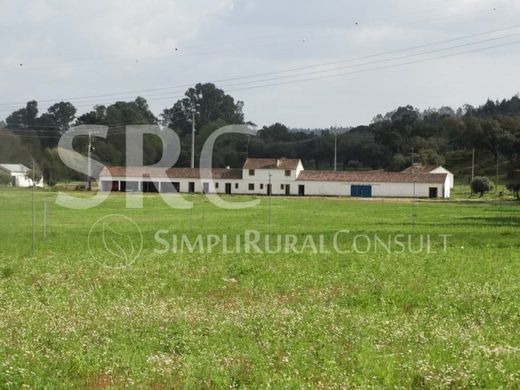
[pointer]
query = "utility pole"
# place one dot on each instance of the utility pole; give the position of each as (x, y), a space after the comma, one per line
(44, 220)
(33, 211)
(270, 190)
(89, 155)
(414, 212)
(473, 165)
(193, 136)
(496, 185)
(335, 150)
(247, 147)
(194, 105)
(89, 152)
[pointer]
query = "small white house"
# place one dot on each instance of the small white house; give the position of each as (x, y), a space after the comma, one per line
(19, 175)
(278, 177)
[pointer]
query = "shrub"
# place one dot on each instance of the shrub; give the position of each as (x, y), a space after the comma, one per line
(515, 189)
(481, 185)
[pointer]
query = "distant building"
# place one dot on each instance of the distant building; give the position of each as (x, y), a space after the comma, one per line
(420, 168)
(19, 175)
(280, 177)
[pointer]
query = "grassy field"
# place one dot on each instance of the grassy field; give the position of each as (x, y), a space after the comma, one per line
(380, 319)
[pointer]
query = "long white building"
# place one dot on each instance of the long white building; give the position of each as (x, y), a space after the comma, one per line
(280, 177)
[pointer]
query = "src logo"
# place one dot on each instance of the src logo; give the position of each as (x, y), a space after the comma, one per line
(115, 241)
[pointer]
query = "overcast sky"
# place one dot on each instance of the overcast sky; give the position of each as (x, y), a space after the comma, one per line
(76, 50)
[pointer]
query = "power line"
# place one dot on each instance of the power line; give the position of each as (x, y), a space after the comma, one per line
(373, 62)
(390, 66)
(377, 68)
(185, 50)
(179, 86)
(351, 66)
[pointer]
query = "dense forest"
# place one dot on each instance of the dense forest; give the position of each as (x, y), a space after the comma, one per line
(436, 136)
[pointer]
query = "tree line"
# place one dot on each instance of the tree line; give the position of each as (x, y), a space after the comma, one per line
(391, 141)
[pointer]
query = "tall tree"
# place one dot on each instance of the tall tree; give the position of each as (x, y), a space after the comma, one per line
(210, 104)
(63, 114)
(24, 117)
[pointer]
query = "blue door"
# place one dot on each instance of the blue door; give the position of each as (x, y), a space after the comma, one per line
(361, 191)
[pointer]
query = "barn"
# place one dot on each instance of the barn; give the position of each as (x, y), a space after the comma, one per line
(282, 176)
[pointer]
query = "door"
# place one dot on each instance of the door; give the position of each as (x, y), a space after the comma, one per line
(301, 190)
(170, 187)
(228, 188)
(287, 190)
(191, 187)
(358, 191)
(205, 188)
(269, 189)
(434, 192)
(150, 186)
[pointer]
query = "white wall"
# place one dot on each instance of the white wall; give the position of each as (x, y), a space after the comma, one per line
(406, 190)
(316, 188)
(389, 190)
(21, 180)
(451, 178)
(183, 184)
(260, 180)
(322, 188)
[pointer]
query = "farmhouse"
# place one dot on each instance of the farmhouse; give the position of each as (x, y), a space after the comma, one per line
(19, 175)
(279, 177)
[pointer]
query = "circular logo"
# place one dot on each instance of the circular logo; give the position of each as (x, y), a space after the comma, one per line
(115, 241)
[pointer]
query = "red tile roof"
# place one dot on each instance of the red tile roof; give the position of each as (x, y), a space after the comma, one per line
(325, 176)
(421, 168)
(271, 163)
(371, 177)
(172, 173)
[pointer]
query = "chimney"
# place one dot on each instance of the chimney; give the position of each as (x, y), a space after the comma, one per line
(279, 161)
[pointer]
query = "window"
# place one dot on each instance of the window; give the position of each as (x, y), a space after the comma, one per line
(261, 186)
(287, 173)
(251, 172)
(251, 187)
(236, 185)
(282, 186)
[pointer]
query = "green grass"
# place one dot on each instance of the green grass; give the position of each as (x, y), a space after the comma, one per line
(210, 320)
(463, 192)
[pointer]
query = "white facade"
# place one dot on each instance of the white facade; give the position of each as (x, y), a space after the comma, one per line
(451, 177)
(137, 184)
(379, 190)
(280, 177)
(282, 180)
(19, 175)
